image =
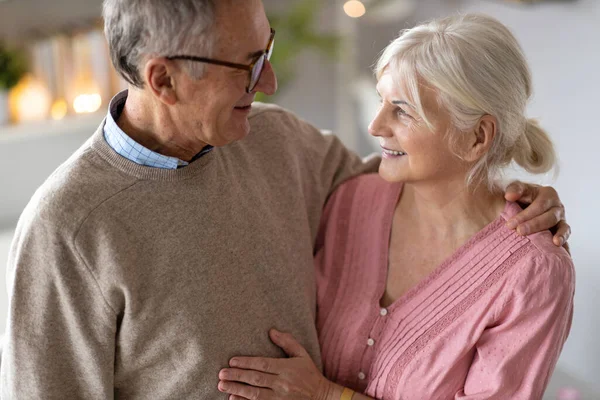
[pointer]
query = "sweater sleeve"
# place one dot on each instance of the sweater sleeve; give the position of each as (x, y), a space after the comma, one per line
(515, 357)
(60, 337)
(328, 163)
(325, 160)
(317, 161)
(337, 163)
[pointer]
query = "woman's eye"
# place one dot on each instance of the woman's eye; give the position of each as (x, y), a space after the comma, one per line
(401, 112)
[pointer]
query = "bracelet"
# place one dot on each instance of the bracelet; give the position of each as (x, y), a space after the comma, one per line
(347, 394)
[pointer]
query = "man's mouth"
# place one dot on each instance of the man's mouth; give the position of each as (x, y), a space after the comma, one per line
(244, 108)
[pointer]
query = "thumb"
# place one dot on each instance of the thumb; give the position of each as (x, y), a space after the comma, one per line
(288, 343)
(514, 191)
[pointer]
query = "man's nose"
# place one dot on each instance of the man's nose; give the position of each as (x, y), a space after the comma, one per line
(267, 83)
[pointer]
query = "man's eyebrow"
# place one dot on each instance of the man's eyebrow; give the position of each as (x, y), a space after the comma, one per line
(255, 55)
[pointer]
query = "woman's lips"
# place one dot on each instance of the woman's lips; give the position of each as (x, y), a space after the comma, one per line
(388, 153)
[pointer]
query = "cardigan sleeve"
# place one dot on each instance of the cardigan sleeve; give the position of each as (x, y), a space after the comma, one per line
(516, 356)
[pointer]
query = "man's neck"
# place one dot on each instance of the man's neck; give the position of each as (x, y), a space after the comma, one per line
(152, 126)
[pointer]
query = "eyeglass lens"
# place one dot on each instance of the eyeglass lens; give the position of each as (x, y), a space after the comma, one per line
(258, 68)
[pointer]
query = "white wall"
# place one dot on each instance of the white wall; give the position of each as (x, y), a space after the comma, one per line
(29, 153)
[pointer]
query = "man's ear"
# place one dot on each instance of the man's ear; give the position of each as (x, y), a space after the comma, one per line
(159, 76)
(481, 138)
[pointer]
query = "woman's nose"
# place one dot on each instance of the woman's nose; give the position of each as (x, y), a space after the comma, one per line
(378, 127)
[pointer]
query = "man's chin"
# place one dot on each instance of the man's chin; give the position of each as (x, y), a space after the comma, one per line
(243, 133)
(234, 134)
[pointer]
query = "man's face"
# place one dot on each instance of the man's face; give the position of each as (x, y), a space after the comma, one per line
(215, 109)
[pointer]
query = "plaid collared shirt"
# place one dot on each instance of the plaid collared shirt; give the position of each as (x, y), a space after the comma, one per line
(132, 150)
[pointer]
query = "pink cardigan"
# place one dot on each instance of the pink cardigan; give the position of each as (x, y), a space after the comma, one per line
(489, 323)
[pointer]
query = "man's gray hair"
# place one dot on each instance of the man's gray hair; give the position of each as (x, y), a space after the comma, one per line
(137, 29)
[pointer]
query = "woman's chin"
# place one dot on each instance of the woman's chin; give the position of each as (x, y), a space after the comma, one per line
(391, 175)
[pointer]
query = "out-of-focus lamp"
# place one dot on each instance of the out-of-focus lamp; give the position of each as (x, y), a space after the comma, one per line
(354, 8)
(87, 103)
(87, 96)
(29, 101)
(59, 109)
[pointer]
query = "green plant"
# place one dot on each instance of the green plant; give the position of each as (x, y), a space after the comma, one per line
(12, 67)
(296, 32)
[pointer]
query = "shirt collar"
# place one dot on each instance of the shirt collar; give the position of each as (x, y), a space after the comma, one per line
(126, 147)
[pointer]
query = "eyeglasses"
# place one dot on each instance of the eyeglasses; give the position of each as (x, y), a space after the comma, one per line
(255, 67)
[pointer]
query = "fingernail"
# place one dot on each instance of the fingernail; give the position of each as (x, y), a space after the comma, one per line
(561, 241)
(234, 362)
(221, 387)
(512, 224)
(523, 230)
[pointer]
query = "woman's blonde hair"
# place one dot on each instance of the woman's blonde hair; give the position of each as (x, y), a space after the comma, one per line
(477, 68)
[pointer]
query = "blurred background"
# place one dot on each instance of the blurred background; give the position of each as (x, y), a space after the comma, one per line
(56, 81)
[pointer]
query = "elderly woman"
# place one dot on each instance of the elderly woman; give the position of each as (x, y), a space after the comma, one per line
(423, 291)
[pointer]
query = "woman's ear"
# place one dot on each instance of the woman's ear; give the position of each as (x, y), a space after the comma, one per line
(481, 138)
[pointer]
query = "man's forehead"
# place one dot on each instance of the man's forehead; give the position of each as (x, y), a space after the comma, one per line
(234, 14)
(245, 44)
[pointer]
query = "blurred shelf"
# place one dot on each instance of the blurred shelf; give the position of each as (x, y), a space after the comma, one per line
(33, 130)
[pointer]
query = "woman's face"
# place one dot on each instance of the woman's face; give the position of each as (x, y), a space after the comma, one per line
(411, 151)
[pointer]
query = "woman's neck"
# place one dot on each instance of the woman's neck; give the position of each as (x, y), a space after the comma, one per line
(448, 211)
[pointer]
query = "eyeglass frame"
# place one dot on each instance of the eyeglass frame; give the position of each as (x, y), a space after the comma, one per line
(266, 54)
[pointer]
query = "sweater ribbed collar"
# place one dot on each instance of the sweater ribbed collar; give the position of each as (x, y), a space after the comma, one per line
(100, 146)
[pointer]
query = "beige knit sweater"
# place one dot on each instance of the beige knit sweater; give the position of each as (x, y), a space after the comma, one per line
(139, 283)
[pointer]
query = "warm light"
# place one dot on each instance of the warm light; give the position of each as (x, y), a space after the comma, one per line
(29, 100)
(87, 103)
(58, 110)
(86, 97)
(354, 9)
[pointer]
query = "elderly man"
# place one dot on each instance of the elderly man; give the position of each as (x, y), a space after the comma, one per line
(167, 244)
